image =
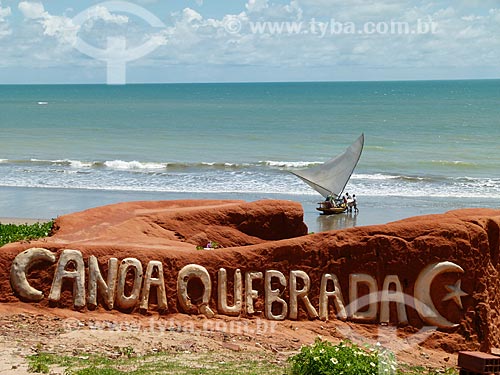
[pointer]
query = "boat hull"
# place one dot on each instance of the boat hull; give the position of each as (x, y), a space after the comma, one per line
(332, 211)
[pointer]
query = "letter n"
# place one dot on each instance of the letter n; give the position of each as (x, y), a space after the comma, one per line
(97, 285)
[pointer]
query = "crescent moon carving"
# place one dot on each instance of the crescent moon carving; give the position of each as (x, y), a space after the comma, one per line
(20, 267)
(423, 301)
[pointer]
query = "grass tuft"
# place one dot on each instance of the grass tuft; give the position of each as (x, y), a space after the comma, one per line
(40, 363)
(158, 363)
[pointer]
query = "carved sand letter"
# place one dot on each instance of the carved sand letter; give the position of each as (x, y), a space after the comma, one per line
(20, 267)
(158, 282)
(336, 294)
(73, 259)
(272, 295)
(222, 306)
(123, 301)
(97, 285)
(250, 293)
(302, 294)
(389, 296)
(194, 271)
(371, 299)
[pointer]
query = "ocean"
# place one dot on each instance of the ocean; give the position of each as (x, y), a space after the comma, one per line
(430, 146)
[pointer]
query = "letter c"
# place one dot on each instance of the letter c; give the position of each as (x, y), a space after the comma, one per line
(21, 265)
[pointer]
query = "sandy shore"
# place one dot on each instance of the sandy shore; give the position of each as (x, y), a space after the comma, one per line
(26, 330)
(19, 221)
(51, 203)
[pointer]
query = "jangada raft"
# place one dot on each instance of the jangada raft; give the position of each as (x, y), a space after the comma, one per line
(330, 178)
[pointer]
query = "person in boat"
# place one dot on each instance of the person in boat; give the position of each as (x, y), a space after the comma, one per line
(330, 201)
(326, 203)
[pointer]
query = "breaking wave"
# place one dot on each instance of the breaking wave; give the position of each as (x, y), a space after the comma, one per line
(145, 165)
(262, 177)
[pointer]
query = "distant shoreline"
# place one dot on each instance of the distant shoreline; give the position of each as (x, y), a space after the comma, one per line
(178, 83)
(30, 205)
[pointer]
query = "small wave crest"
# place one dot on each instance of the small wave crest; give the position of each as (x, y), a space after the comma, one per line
(158, 165)
(133, 165)
(127, 165)
(61, 162)
(290, 164)
(452, 163)
(405, 178)
(375, 148)
(376, 176)
(78, 164)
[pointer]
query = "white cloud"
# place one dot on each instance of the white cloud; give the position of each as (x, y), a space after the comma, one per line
(60, 27)
(355, 10)
(466, 36)
(190, 15)
(463, 37)
(4, 12)
(495, 15)
(100, 12)
(256, 5)
(32, 10)
(5, 29)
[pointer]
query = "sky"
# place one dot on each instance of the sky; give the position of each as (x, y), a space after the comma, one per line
(160, 41)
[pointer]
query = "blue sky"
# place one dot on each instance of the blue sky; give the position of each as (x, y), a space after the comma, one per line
(250, 40)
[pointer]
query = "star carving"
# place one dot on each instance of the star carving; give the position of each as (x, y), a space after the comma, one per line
(455, 293)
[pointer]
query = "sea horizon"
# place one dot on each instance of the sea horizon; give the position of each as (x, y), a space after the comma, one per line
(132, 83)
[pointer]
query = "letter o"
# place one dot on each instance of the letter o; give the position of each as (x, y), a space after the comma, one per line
(123, 301)
(188, 273)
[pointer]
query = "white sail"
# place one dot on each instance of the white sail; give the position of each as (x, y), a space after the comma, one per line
(331, 177)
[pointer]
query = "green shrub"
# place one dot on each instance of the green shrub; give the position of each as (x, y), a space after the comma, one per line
(13, 233)
(324, 358)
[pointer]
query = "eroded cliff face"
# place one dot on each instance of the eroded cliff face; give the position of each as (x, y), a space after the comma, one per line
(450, 261)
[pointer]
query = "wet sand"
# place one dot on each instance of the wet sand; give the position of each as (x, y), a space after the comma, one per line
(28, 205)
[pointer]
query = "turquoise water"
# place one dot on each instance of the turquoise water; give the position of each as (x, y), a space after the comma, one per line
(436, 139)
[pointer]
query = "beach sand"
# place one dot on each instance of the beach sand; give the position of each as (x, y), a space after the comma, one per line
(27, 205)
(26, 330)
(20, 221)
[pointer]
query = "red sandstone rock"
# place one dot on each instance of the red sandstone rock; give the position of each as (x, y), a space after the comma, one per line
(271, 234)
